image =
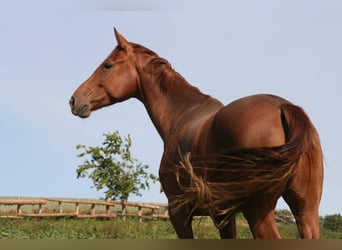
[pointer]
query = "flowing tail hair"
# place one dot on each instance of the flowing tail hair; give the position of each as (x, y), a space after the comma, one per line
(222, 184)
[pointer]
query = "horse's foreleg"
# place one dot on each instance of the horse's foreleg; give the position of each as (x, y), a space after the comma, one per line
(182, 224)
(229, 230)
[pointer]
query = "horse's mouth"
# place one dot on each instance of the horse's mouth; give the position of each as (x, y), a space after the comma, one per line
(83, 112)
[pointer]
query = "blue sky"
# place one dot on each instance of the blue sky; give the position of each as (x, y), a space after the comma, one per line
(229, 49)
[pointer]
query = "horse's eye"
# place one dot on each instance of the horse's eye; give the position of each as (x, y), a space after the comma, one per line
(107, 65)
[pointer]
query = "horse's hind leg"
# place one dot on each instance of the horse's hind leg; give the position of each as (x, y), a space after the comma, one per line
(261, 218)
(305, 213)
(304, 205)
(303, 196)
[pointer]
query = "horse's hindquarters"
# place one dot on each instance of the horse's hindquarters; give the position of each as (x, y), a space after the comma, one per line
(253, 121)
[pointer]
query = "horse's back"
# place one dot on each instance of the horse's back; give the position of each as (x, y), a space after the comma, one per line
(252, 121)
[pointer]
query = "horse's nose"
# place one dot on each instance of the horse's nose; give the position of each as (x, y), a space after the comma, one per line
(72, 102)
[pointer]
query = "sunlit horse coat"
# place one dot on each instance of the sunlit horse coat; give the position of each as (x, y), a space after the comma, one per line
(217, 159)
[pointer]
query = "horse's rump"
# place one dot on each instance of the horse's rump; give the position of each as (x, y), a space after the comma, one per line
(234, 176)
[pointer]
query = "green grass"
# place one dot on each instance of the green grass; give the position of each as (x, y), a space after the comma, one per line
(117, 228)
(68, 228)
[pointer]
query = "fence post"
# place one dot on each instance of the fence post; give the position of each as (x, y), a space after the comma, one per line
(40, 209)
(123, 209)
(60, 209)
(153, 212)
(77, 210)
(18, 209)
(140, 213)
(93, 209)
(107, 209)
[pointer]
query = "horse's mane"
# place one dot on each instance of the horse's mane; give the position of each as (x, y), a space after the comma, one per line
(165, 75)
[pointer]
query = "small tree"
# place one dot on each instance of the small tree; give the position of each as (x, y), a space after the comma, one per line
(112, 168)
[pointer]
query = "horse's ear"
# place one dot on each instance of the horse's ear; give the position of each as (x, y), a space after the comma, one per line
(122, 42)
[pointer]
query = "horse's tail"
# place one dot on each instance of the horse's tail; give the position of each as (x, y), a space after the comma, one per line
(223, 184)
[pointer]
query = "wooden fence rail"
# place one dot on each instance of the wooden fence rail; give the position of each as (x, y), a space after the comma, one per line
(97, 209)
(48, 207)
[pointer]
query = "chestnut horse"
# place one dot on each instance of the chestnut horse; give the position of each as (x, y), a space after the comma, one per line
(218, 160)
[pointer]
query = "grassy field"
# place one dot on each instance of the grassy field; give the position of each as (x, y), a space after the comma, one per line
(67, 228)
(117, 228)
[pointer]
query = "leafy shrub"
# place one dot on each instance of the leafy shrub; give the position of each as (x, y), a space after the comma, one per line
(333, 222)
(113, 169)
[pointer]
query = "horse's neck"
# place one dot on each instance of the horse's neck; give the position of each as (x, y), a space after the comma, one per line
(169, 108)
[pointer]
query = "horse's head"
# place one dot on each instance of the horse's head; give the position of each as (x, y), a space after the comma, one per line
(115, 80)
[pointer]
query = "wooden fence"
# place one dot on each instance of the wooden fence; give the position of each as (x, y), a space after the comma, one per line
(47, 207)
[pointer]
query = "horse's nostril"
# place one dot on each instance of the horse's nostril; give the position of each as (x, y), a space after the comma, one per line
(72, 102)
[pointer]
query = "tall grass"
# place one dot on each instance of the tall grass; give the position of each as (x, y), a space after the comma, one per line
(67, 228)
(71, 228)
(117, 228)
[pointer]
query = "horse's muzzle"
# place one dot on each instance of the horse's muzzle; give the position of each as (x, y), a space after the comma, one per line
(82, 111)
